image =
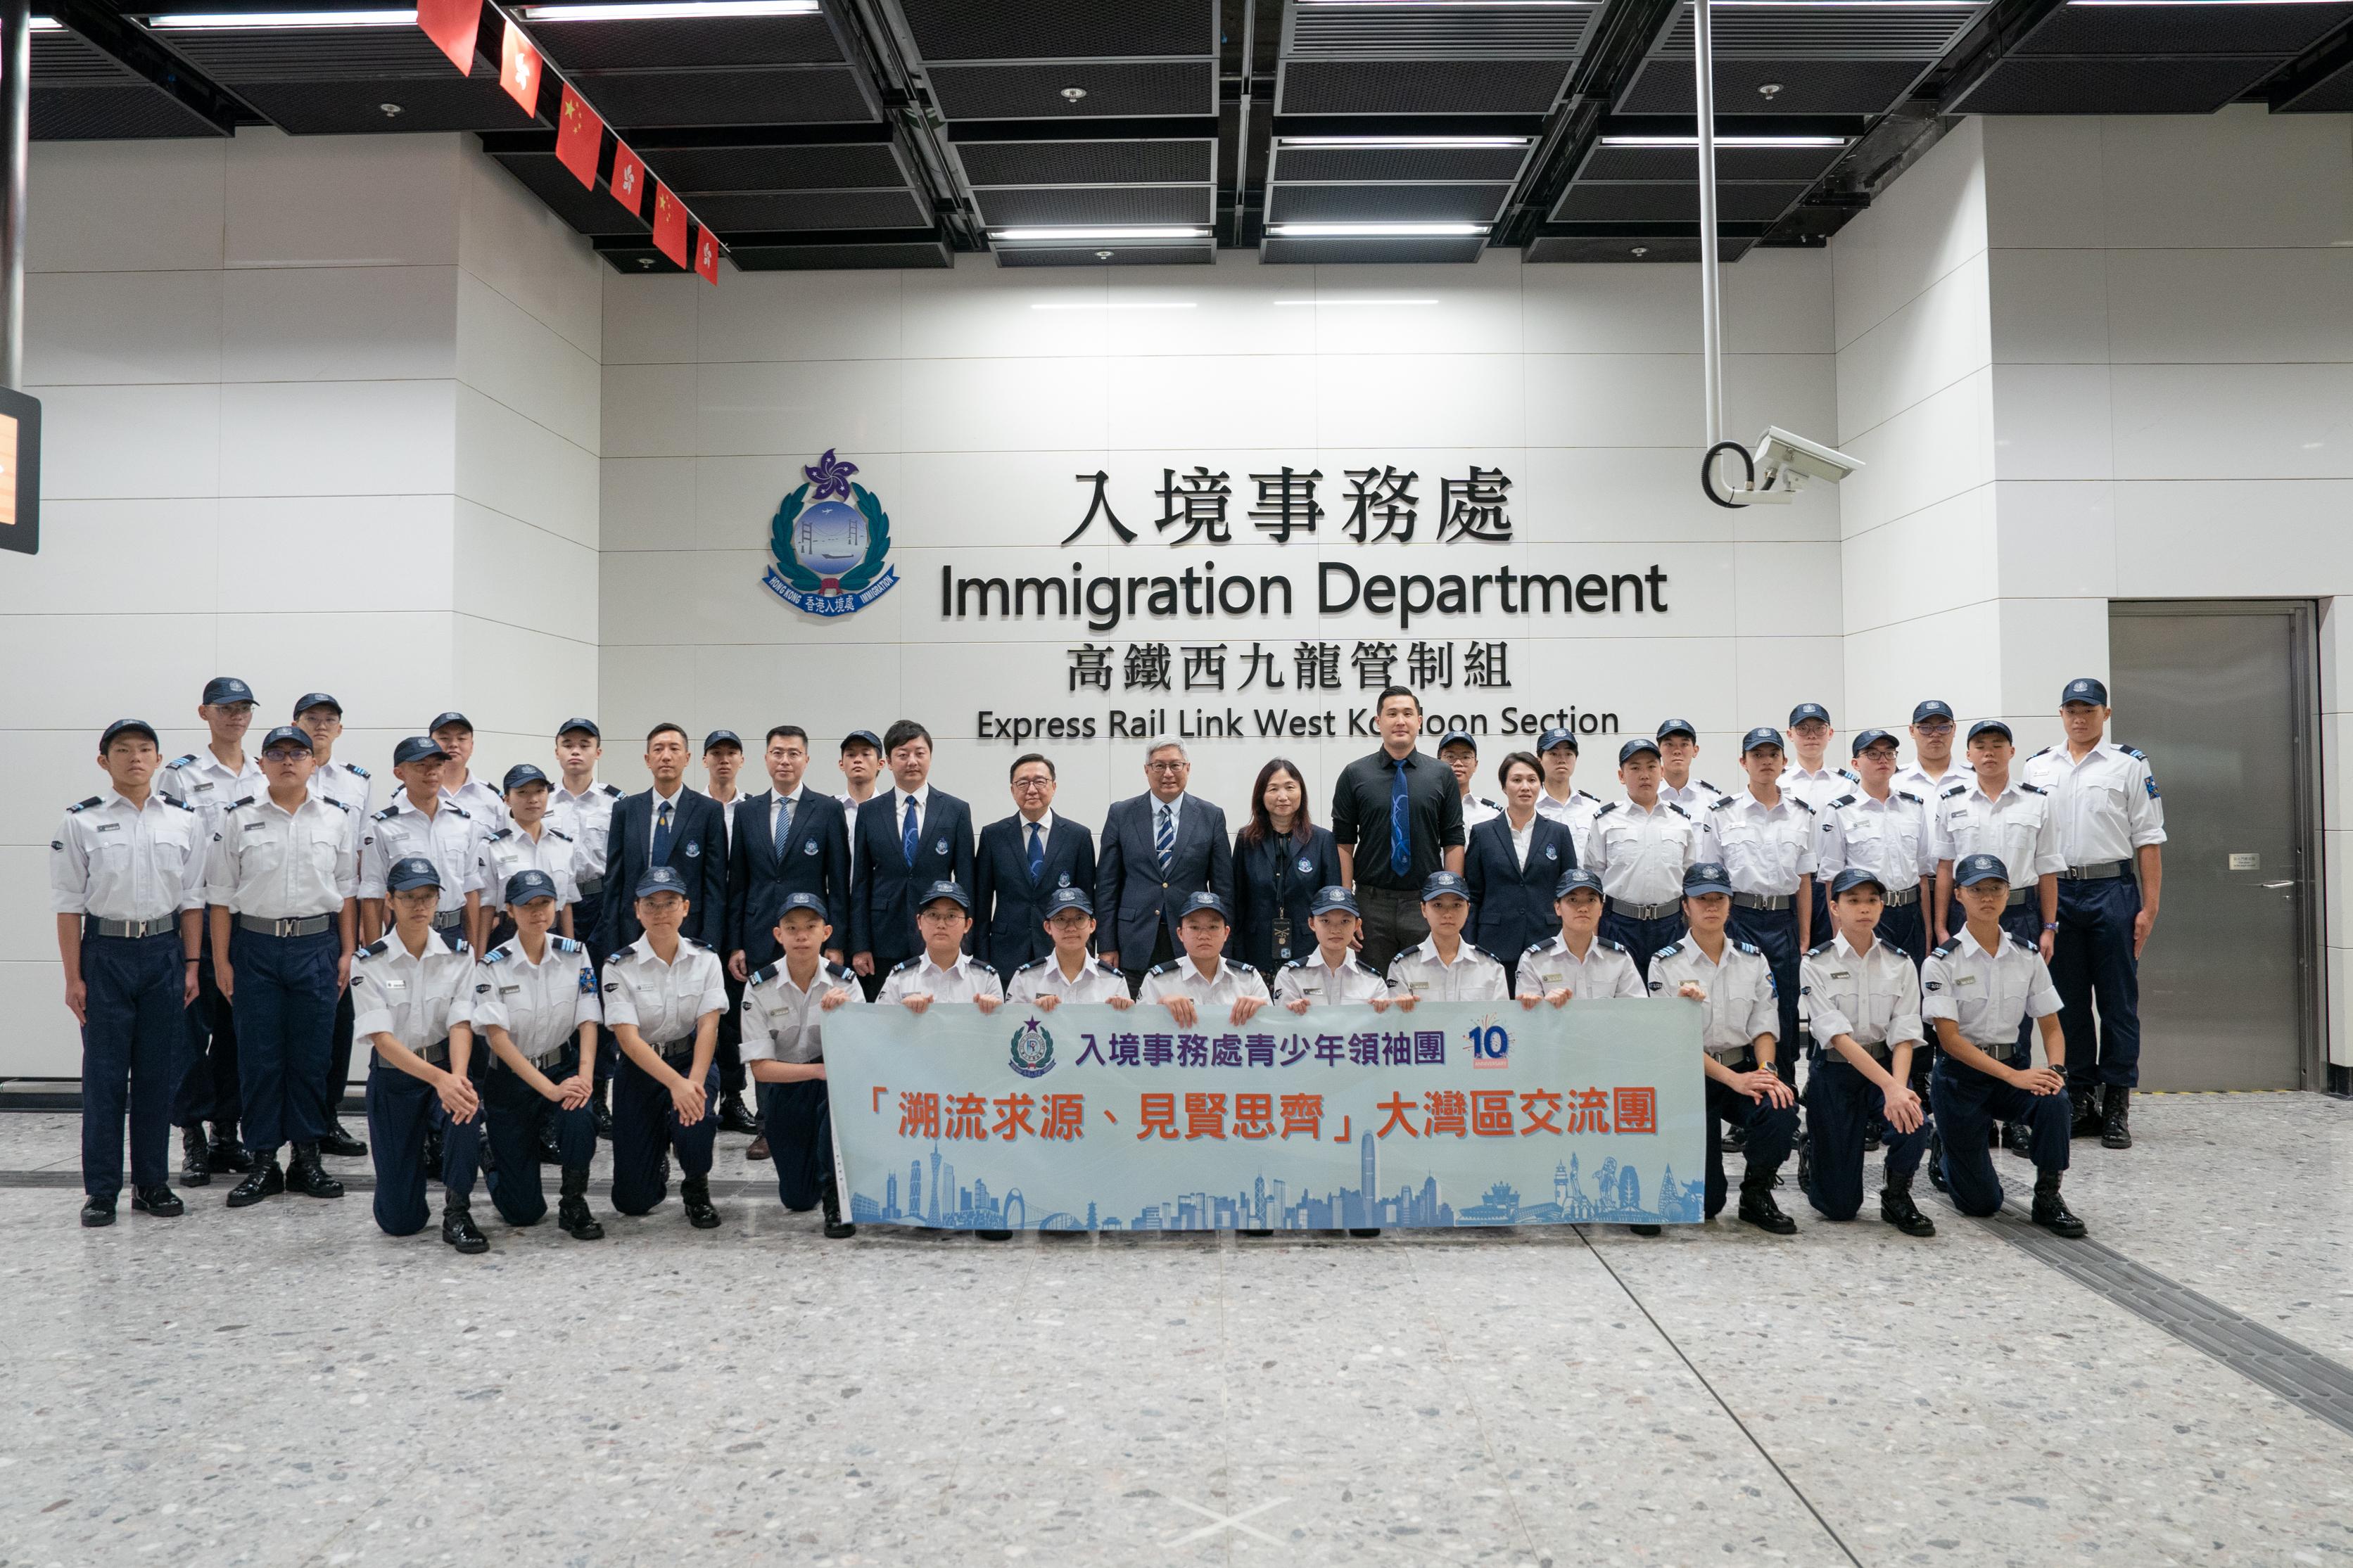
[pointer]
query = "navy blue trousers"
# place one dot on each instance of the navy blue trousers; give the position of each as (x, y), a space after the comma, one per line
(2092, 961)
(1776, 932)
(1841, 1107)
(400, 1111)
(586, 913)
(2024, 921)
(1772, 1132)
(1968, 1105)
(1641, 938)
(127, 1050)
(285, 1030)
(645, 1128)
(800, 1126)
(338, 1054)
(206, 1069)
(514, 1111)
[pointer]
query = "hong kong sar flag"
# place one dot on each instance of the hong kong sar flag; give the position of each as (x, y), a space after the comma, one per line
(669, 224)
(628, 178)
(579, 135)
(519, 68)
(706, 256)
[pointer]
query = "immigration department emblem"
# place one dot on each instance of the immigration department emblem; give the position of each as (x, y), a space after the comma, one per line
(829, 537)
(1033, 1049)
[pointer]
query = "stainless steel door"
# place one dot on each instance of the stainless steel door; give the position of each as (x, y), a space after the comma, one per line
(2220, 694)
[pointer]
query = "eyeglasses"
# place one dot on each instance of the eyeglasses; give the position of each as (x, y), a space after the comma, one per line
(1934, 726)
(1030, 782)
(1176, 767)
(282, 755)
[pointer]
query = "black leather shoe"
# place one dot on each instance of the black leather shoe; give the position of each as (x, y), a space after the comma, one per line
(228, 1152)
(1871, 1140)
(2116, 1119)
(304, 1174)
(695, 1193)
(1645, 1229)
(2018, 1138)
(340, 1143)
(601, 1114)
(196, 1158)
(161, 1202)
(433, 1156)
(1935, 1162)
(734, 1117)
(551, 1153)
(835, 1230)
(2051, 1209)
(573, 1219)
(1731, 1140)
(1896, 1207)
(265, 1181)
(1758, 1208)
(97, 1212)
(1806, 1165)
(994, 1235)
(758, 1149)
(2087, 1120)
(458, 1230)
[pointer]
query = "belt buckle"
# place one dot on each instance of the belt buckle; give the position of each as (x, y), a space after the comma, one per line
(284, 928)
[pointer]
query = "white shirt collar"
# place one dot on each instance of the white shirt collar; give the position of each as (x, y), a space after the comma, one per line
(672, 801)
(1969, 943)
(1185, 963)
(1024, 823)
(921, 797)
(563, 792)
(1427, 948)
(1848, 950)
(931, 968)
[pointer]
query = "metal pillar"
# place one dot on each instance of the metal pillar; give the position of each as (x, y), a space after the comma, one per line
(1711, 302)
(15, 115)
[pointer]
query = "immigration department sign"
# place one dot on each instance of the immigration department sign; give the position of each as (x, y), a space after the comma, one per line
(829, 537)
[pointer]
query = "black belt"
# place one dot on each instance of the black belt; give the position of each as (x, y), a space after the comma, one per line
(1764, 901)
(135, 931)
(589, 886)
(1634, 912)
(1902, 898)
(2098, 871)
(301, 925)
(447, 920)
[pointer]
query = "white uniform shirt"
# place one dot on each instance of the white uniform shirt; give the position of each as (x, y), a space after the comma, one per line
(1888, 838)
(1575, 813)
(1420, 972)
(452, 839)
(511, 849)
(1640, 854)
(783, 1023)
(541, 1005)
(1476, 810)
(1872, 996)
(1214, 997)
(1988, 994)
(1766, 848)
(1696, 796)
(344, 782)
(1915, 778)
(1097, 982)
(124, 862)
(481, 801)
(727, 815)
(1816, 788)
(415, 999)
(274, 863)
(1740, 998)
(919, 976)
(1312, 980)
(2107, 805)
(663, 1002)
(1606, 971)
(199, 780)
(588, 817)
(2017, 825)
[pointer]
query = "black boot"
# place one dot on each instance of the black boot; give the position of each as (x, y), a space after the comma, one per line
(572, 1216)
(2084, 1100)
(161, 1202)
(1757, 1208)
(2018, 1138)
(1896, 1207)
(97, 1212)
(433, 1155)
(835, 1230)
(304, 1174)
(196, 1157)
(340, 1143)
(227, 1153)
(734, 1118)
(1871, 1137)
(1731, 1140)
(1935, 1162)
(695, 1193)
(549, 1151)
(266, 1180)
(600, 1108)
(2051, 1209)
(458, 1227)
(757, 1149)
(2116, 1119)
(1805, 1164)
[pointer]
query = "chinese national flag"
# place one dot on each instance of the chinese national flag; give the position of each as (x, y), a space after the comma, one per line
(706, 256)
(451, 24)
(579, 136)
(669, 224)
(519, 70)
(628, 178)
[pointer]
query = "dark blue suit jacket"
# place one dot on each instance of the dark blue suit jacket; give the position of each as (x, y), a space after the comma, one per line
(816, 861)
(1132, 897)
(1255, 904)
(1510, 906)
(1009, 907)
(884, 889)
(698, 852)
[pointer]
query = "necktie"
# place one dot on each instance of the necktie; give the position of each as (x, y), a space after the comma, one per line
(1400, 841)
(1163, 839)
(907, 840)
(1037, 851)
(661, 855)
(783, 834)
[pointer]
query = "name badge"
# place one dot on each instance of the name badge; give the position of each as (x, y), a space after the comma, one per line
(392, 983)
(109, 827)
(1962, 980)
(1416, 984)
(508, 990)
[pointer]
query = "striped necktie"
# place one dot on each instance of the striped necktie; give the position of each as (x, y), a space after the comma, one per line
(1164, 839)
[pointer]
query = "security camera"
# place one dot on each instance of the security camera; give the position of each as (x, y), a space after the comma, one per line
(1776, 471)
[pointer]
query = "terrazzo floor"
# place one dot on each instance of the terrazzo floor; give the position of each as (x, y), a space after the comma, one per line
(286, 1386)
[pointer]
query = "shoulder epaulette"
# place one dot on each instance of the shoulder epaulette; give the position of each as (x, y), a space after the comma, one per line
(1957, 789)
(907, 963)
(244, 801)
(1907, 794)
(1672, 948)
(458, 945)
(843, 972)
(561, 834)
(1033, 964)
(1106, 968)
(2135, 752)
(455, 809)
(1490, 804)
(375, 947)
(1719, 805)
(1540, 946)
(1485, 954)
(1296, 963)
(2031, 789)
(498, 954)
(2019, 942)
(1944, 948)
(1605, 810)
(1167, 968)
(1710, 788)
(1800, 802)
(388, 813)
(617, 956)
(1848, 775)
(1589, 796)
(565, 944)
(1845, 800)
(1619, 946)
(180, 762)
(612, 790)
(501, 833)
(338, 804)
(83, 805)
(1679, 811)
(1820, 947)
(698, 941)
(762, 974)
(1240, 967)
(1749, 947)
(2041, 752)
(175, 800)
(357, 772)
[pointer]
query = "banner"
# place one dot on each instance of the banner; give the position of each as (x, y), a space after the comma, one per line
(1089, 1118)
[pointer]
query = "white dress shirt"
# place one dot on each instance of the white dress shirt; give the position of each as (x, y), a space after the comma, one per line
(1766, 848)
(483, 802)
(1476, 811)
(203, 781)
(961, 981)
(663, 1002)
(784, 1023)
(2017, 825)
(1420, 972)
(1640, 854)
(1988, 994)
(1818, 786)
(1575, 813)
(453, 838)
(1740, 997)
(416, 998)
(1095, 982)
(124, 862)
(274, 863)
(2106, 805)
(512, 850)
(541, 1005)
(588, 817)
(1310, 979)
(1214, 995)
(352, 785)
(1871, 996)
(1888, 838)
(1606, 971)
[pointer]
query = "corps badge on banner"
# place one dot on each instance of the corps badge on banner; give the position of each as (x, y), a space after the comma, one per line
(829, 537)
(1086, 1118)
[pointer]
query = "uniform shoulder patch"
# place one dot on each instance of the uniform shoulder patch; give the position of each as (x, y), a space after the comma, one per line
(1957, 789)
(561, 834)
(565, 944)
(339, 805)
(840, 970)
(698, 941)
(454, 809)
(1800, 802)
(1106, 968)
(501, 833)
(2021, 942)
(1618, 947)
(1490, 804)
(83, 805)
(982, 965)
(175, 800)
(1296, 963)
(1944, 948)
(240, 803)
(1589, 794)
(762, 974)
(1679, 811)
(905, 964)
(1749, 947)
(1707, 788)
(358, 771)
(458, 945)
(619, 954)
(2135, 752)
(610, 790)
(2031, 789)
(374, 948)
(1539, 946)
(1850, 775)
(1820, 948)
(499, 953)
(1667, 951)
(1485, 954)
(180, 762)
(1906, 795)
(1031, 964)
(1605, 810)
(1842, 801)
(386, 815)
(1239, 967)
(1719, 805)
(1167, 968)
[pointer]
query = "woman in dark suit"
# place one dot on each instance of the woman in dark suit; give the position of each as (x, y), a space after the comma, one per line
(1280, 860)
(1513, 863)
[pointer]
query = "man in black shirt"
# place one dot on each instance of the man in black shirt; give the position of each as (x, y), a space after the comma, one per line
(1398, 815)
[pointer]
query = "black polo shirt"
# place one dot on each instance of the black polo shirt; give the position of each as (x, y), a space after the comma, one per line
(1360, 817)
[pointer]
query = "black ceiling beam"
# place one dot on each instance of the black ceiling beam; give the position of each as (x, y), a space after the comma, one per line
(678, 137)
(1613, 52)
(1980, 49)
(2310, 69)
(1737, 124)
(136, 51)
(805, 238)
(876, 40)
(1166, 127)
(1410, 125)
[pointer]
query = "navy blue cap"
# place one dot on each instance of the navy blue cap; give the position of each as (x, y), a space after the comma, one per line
(946, 888)
(587, 725)
(520, 774)
(1635, 747)
(1868, 739)
(722, 738)
(1069, 899)
(528, 884)
(1991, 727)
(287, 736)
(2083, 688)
(1706, 877)
(1555, 736)
(411, 871)
(660, 879)
(1334, 896)
(128, 727)
(1805, 711)
(1195, 904)
(418, 749)
(1855, 877)
(1576, 876)
(310, 699)
(1976, 869)
(868, 736)
(804, 899)
(1452, 736)
(222, 689)
(444, 720)
(1444, 885)
(1678, 727)
(1763, 735)
(1935, 707)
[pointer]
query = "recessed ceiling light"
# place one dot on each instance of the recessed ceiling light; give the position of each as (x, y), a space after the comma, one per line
(1725, 141)
(1095, 236)
(1402, 141)
(239, 21)
(1372, 230)
(670, 10)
